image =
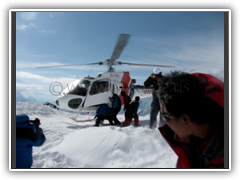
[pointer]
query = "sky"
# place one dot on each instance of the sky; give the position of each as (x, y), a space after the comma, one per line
(190, 41)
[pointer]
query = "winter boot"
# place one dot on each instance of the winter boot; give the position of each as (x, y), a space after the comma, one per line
(117, 122)
(136, 122)
(126, 122)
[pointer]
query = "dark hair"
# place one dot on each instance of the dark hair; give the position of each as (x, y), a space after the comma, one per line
(123, 93)
(137, 98)
(182, 92)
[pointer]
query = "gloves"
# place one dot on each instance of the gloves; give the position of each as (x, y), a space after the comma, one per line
(36, 122)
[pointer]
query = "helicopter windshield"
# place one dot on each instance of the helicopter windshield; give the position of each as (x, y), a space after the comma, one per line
(79, 87)
(100, 87)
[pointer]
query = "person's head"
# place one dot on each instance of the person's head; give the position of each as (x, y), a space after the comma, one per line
(137, 98)
(123, 93)
(181, 97)
(157, 73)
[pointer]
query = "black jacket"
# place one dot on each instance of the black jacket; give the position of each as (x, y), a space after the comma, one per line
(132, 108)
(152, 82)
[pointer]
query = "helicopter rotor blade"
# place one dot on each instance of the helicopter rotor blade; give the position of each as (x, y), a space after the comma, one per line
(137, 64)
(121, 43)
(99, 63)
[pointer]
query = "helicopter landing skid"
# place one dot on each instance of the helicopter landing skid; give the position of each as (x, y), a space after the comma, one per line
(77, 114)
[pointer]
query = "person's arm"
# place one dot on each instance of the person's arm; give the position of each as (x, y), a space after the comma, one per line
(39, 132)
(41, 137)
(149, 81)
(111, 99)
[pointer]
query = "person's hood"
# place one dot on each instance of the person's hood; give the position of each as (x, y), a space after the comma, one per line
(21, 118)
(22, 122)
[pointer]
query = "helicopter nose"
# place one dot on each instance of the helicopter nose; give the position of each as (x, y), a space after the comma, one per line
(57, 103)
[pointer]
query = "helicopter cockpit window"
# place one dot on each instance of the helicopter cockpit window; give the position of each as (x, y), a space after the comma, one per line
(99, 87)
(79, 88)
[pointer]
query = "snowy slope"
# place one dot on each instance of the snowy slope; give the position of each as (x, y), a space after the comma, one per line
(73, 144)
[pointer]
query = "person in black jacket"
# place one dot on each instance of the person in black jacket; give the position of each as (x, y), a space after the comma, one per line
(152, 80)
(131, 113)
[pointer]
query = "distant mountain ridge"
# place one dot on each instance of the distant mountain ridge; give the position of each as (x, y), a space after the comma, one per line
(20, 97)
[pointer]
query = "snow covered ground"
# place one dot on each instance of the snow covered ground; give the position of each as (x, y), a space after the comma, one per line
(71, 144)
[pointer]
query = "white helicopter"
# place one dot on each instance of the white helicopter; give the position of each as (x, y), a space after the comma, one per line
(89, 93)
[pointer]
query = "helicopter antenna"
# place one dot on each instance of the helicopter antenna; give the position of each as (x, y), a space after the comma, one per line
(90, 72)
(192, 70)
(68, 87)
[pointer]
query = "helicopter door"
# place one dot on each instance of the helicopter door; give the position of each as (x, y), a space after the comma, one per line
(99, 93)
(115, 89)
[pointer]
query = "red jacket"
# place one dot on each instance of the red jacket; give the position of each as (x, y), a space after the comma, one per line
(190, 151)
(215, 89)
(126, 100)
(192, 154)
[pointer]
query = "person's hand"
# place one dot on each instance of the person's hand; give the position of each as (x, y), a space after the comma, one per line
(37, 123)
(152, 75)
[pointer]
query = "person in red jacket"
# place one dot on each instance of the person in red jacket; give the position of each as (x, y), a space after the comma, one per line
(126, 100)
(192, 106)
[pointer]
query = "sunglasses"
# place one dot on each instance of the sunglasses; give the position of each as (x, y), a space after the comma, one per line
(167, 117)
